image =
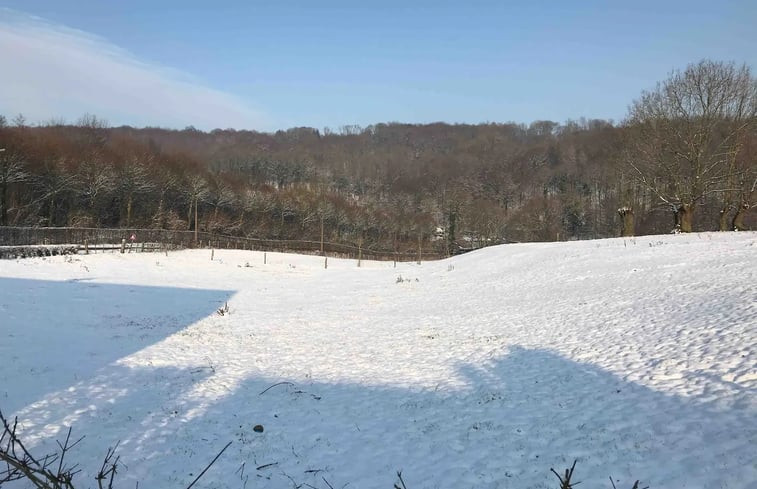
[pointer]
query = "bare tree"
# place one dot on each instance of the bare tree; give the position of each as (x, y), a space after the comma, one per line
(195, 190)
(165, 181)
(688, 130)
(221, 197)
(94, 130)
(54, 182)
(134, 179)
(11, 171)
(19, 120)
(94, 179)
(746, 197)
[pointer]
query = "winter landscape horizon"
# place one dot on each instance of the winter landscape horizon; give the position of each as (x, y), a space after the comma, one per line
(527, 237)
(634, 356)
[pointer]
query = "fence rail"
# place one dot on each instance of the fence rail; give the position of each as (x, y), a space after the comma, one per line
(26, 236)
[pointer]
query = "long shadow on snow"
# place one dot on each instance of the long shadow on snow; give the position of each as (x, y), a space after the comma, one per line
(79, 327)
(519, 415)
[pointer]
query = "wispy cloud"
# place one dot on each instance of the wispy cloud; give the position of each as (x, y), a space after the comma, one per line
(51, 71)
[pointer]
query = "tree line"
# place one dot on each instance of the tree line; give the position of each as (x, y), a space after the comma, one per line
(685, 158)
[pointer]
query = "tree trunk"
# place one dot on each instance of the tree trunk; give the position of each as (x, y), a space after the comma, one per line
(241, 220)
(215, 218)
(3, 207)
(128, 211)
(51, 220)
(93, 212)
(13, 204)
(451, 231)
(321, 234)
(420, 248)
(196, 230)
(627, 219)
(684, 218)
(723, 224)
(159, 215)
(738, 220)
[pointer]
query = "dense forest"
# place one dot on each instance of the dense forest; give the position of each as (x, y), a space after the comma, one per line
(388, 185)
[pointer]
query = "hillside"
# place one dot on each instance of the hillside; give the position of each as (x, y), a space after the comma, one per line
(635, 356)
(386, 185)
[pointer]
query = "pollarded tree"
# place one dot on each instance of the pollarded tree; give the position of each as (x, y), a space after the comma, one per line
(688, 130)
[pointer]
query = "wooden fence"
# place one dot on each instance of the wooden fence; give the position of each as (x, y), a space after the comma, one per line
(99, 238)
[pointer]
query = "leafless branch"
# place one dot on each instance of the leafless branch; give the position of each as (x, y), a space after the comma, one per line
(274, 385)
(209, 465)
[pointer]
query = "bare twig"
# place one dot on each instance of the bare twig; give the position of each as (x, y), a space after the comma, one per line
(565, 480)
(327, 483)
(274, 385)
(109, 468)
(635, 485)
(209, 465)
(402, 482)
(21, 464)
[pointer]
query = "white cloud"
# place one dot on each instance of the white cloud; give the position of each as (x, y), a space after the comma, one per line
(51, 71)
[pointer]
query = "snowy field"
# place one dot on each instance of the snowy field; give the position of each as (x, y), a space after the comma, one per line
(637, 357)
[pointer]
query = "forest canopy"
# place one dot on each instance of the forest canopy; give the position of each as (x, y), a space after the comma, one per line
(386, 185)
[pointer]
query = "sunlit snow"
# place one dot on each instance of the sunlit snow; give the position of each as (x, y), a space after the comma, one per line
(635, 356)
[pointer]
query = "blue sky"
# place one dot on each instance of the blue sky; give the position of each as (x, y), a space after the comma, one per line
(270, 65)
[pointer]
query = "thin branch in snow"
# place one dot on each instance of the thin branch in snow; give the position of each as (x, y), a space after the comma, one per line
(209, 465)
(402, 482)
(274, 385)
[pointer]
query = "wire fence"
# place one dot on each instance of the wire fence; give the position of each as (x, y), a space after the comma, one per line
(159, 239)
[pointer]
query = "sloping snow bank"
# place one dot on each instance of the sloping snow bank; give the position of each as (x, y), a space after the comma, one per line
(636, 356)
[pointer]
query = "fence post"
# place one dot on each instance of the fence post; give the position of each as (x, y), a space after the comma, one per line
(212, 253)
(359, 252)
(325, 262)
(86, 247)
(143, 246)
(265, 258)
(123, 245)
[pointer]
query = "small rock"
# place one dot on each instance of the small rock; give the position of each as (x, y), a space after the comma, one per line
(258, 428)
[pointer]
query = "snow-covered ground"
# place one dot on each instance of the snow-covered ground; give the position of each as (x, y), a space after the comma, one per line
(636, 356)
